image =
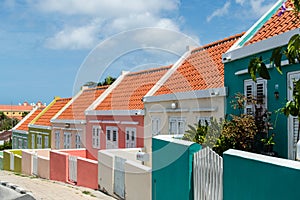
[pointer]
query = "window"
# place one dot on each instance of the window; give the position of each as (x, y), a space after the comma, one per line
(256, 95)
(155, 123)
(57, 139)
(39, 141)
(67, 140)
(176, 126)
(130, 137)
(15, 144)
(20, 146)
(96, 137)
(77, 141)
(203, 119)
(25, 145)
(111, 137)
(33, 141)
(46, 142)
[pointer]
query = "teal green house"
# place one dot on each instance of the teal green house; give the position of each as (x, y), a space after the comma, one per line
(172, 168)
(20, 131)
(269, 32)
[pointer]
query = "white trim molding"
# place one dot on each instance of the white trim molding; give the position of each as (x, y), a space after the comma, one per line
(39, 126)
(115, 112)
(196, 94)
(58, 121)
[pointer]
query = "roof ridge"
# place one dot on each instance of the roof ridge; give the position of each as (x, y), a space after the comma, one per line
(96, 88)
(149, 70)
(218, 42)
(64, 99)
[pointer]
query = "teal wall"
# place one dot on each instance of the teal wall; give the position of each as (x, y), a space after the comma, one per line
(172, 169)
(46, 132)
(235, 83)
(251, 176)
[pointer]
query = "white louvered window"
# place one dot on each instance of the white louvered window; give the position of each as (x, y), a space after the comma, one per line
(256, 95)
(155, 123)
(78, 140)
(176, 126)
(57, 139)
(96, 137)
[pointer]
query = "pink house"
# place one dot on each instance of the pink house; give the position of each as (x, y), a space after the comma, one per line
(116, 118)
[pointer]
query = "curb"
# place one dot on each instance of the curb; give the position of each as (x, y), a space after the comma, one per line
(17, 189)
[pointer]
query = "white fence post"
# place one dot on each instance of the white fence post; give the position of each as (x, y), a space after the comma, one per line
(35, 164)
(12, 161)
(208, 175)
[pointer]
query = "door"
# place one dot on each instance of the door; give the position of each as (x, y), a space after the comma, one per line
(12, 161)
(73, 168)
(111, 137)
(35, 164)
(130, 137)
(119, 177)
(292, 121)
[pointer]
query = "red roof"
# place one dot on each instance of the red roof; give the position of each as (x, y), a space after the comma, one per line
(276, 25)
(76, 110)
(203, 69)
(15, 108)
(44, 120)
(24, 125)
(129, 92)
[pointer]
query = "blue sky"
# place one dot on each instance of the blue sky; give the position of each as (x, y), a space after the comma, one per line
(48, 46)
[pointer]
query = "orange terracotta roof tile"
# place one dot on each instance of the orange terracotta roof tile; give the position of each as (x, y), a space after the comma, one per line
(44, 120)
(276, 25)
(203, 69)
(76, 110)
(129, 92)
(15, 108)
(24, 125)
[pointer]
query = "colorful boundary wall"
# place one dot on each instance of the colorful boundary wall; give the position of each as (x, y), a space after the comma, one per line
(43, 168)
(1, 160)
(106, 166)
(250, 176)
(172, 168)
(87, 169)
(17, 160)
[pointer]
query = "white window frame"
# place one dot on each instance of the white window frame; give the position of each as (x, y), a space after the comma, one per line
(20, 143)
(25, 143)
(292, 121)
(39, 143)
(130, 137)
(177, 121)
(57, 139)
(15, 142)
(112, 142)
(249, 107)
(155, 125)
(78, 140)
(46, 141)
(96, 133)
(67, 140)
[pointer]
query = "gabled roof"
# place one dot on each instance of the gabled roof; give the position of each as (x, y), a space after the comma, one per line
(203, 69)
(23, 124)
(128, 94)
(75, 111)
(43, 119)
(276, 25)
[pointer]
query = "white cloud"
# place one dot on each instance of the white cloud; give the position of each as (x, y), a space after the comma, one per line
(105, 18)
(219, 12)
(241, 2)
(259, 7)
(83, 37)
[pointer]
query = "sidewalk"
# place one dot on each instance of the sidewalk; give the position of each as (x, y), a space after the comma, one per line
(43, 189)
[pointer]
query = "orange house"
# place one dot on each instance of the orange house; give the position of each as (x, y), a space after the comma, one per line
(116, 118)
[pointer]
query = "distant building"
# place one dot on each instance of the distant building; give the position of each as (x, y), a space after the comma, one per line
(19, 111)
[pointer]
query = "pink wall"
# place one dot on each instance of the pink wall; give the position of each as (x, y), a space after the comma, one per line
(59, 166)
(121, 130)
(75, 152)
(87, 173)
(44, 167)
(26, 163)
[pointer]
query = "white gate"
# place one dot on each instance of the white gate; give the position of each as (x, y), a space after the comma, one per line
(119, 177)
(73, 168)
(35, 164)
(208, 175)
(12, 161)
